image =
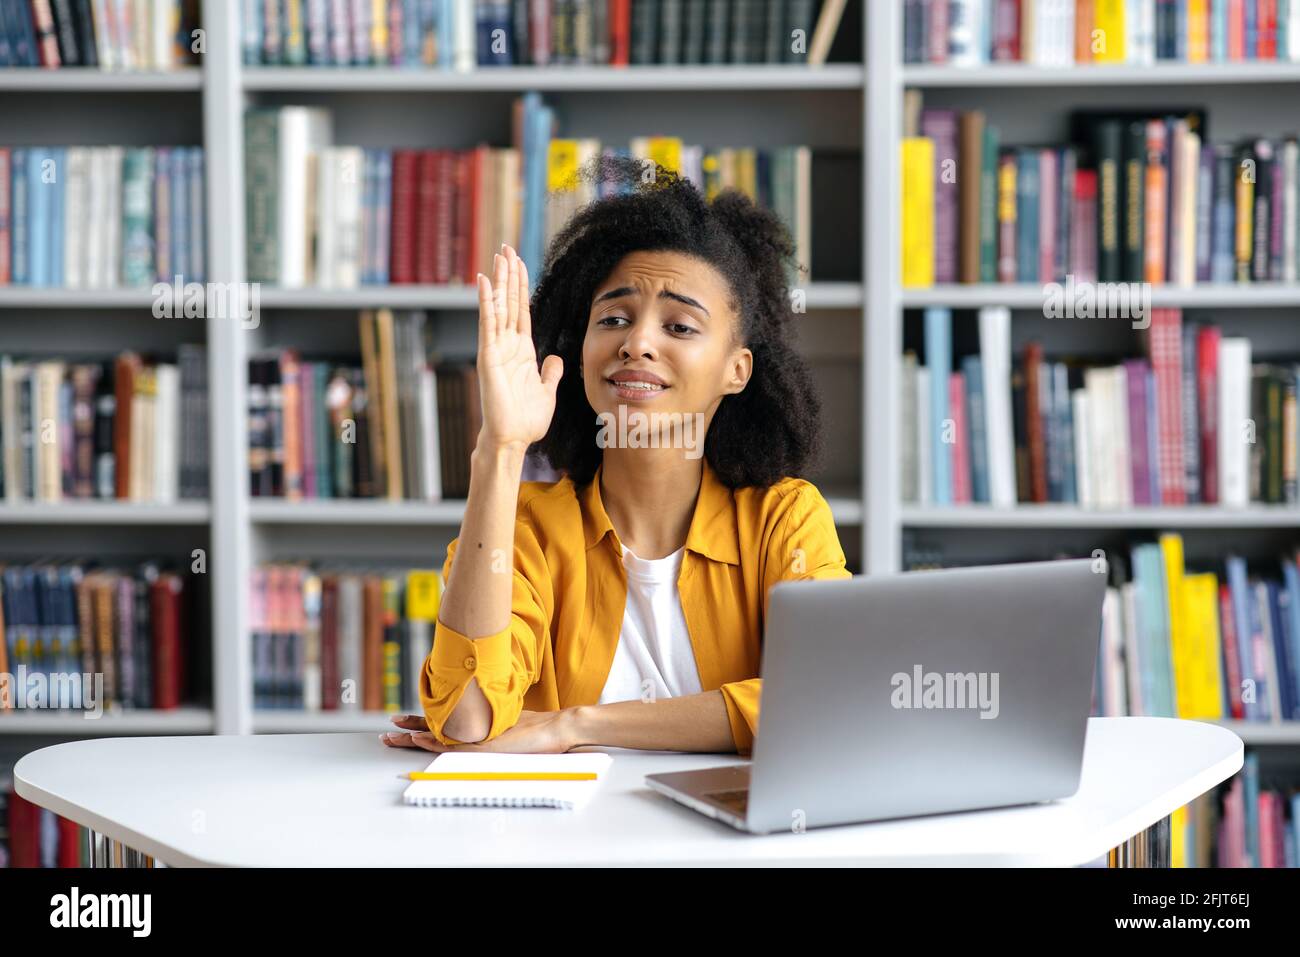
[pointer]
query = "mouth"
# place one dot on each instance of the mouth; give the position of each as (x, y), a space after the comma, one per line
(637, 389)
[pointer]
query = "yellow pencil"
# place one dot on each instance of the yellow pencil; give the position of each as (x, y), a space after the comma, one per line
(499, 776)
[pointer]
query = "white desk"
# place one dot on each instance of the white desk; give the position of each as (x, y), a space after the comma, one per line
(333, 799)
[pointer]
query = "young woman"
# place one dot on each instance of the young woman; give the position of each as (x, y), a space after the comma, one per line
(623, 605)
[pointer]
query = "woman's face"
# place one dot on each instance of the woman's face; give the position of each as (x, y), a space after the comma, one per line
(665, 317)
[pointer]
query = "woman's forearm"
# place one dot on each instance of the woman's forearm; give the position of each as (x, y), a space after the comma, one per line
(696, 722)
(479, 590)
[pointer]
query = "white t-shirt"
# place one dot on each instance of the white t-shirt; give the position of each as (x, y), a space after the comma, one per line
(654, 658)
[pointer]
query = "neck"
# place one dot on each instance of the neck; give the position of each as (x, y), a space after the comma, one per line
(649, 496)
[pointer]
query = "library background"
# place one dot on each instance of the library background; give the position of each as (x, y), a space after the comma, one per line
(1051, 303)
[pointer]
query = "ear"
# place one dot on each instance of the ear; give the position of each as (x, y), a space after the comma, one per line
(740, 367)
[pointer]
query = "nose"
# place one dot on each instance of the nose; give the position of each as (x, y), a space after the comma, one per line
(639, 342)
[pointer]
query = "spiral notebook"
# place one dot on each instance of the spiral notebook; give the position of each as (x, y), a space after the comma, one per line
(562, 794)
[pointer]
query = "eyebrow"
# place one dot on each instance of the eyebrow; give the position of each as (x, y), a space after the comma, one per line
(663, 294)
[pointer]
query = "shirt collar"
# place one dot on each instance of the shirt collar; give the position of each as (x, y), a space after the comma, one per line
(712, 534)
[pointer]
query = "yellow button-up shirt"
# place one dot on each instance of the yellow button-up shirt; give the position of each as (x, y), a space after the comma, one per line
(570, 589)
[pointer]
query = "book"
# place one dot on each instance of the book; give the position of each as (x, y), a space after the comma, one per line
(567, 795)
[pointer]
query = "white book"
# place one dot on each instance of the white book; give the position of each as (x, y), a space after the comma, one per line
(995, 355)
(1101, 477)
(105, 52)
(96, 225)
(1292, 28)
(465, 52)
(76, 207)
(1114, 701)
(567, 795)
(302, 131)
(119, 17)
(349, 641)
(803, 210)
(965, 28)
(1082, 458)
(167, 434)
(139, 31)
(1187, 200)
(141, 470)
(162, 29)
(327, 239)
(1132, 646)
(46, 434)
(113, 215)
(924, 460)
(907, 474)
(432, 471)
(348, 172)
(1121, 453)
(1235, 429)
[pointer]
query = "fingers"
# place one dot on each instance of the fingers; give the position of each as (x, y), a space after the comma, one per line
(501, 269)
(417, 739)
(487, 320)
(552, 371)
(525, 315)
(412, 722)
(512, 288)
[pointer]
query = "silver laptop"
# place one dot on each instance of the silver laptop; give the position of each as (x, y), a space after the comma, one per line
(910, 694)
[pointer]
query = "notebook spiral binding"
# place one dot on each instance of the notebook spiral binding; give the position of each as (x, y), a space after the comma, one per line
(488, 802)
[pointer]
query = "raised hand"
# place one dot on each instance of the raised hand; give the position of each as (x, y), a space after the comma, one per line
(518, 400)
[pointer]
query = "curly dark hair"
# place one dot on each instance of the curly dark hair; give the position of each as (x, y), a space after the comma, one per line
(769, 430)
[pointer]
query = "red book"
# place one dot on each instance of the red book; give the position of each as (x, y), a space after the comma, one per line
(24, 832)
(124, 370)
(1207, 417)
(69, 843)
(1034, 422)
(937, 42)
(1049, 179)
(1237, 29)
(1083, 226)
(620, 31)
(329, 643)
(1006, 31)
(478, 158)
(961, 481)
(165, 610)
(47, 39)
(463, 198)
(1266, 30)
(1231, 652)
(426, 218)
(445, 213)
(401, 265)
(1164, 347)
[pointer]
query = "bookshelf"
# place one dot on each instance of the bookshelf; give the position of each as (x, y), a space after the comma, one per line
(855, 322)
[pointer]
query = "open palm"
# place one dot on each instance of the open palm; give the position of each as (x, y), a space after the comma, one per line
(518, 399)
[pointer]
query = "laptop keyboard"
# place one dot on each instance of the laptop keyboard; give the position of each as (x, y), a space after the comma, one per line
(736, 801)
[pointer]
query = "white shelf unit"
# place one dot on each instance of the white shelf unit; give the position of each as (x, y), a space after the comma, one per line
(242, 531)
(1031, 103)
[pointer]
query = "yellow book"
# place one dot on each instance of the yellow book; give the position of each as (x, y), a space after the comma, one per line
(1108, 40)
(378, 31)
(423, 595)
(664, 150)
(1178, 837)
(1198, 31)
(1171, 551)
(1245, 218)
(1197, 674)
(918, 212)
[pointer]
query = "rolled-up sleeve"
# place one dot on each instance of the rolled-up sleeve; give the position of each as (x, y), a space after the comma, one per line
(806, 546)
(507, 663)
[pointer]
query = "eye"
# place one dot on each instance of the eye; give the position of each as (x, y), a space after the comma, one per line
(681, 329)
(611, 320)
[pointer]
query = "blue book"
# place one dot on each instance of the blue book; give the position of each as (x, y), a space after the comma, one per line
(1252, 32)
(1259, 652)
(1027, 204)
(977, 427)
(1065, 424)
(251, 27)
(1289, 600)
(384, 208)
(411, 33)
(1219, 30)
(1283, 12)
(23, 41)
(40, 205)
(369, 210)
(180, 244)
(197, 221)
(1250, 793)
(446, 34)
(537, 138)
(19, 218)
(58, 193)
(1239, 588)
(1280, 629)
(938, 359)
